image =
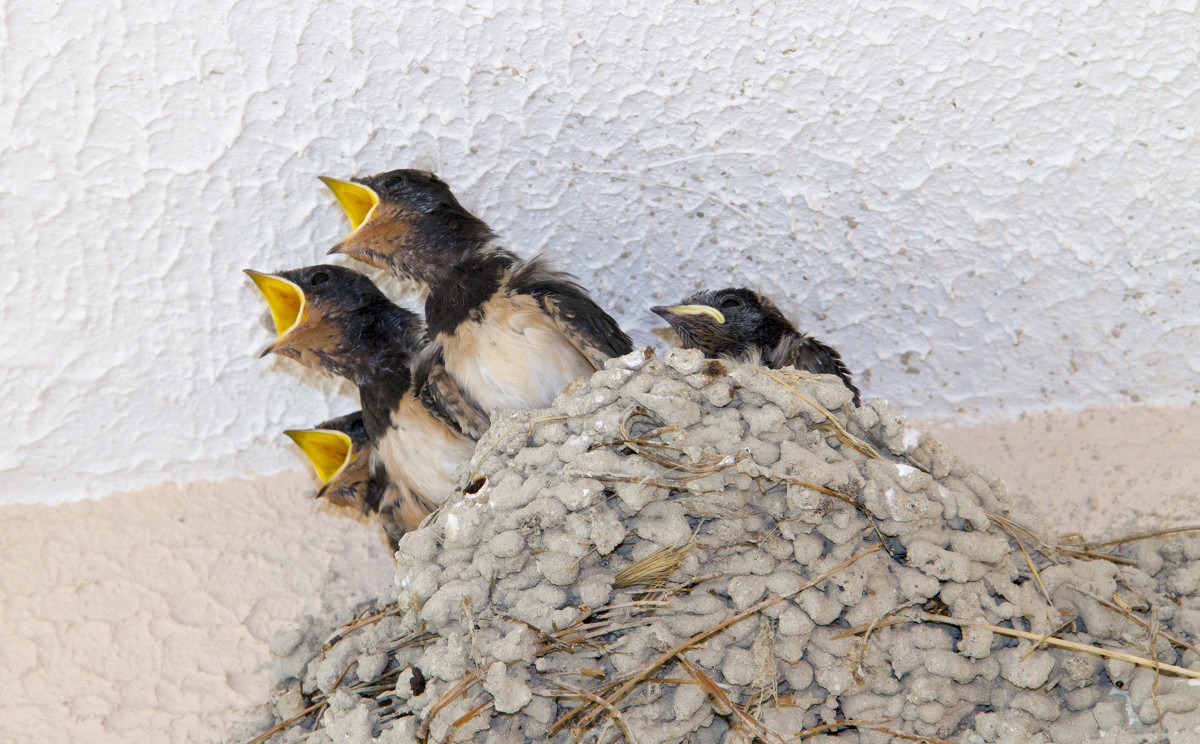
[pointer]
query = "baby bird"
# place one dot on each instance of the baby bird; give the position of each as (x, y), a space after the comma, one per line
(511, 332)
(745, 326)
(341, 454)
(336, 320)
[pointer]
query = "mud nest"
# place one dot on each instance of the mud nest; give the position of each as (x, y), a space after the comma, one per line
(686, 550)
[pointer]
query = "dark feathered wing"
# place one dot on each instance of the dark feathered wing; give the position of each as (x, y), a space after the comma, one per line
(589, 329)
(810, 355)
(442, 397)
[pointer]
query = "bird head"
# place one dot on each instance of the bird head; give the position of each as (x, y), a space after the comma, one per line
(406, 221)
(724, 322)
(323, 315)
(337, 451)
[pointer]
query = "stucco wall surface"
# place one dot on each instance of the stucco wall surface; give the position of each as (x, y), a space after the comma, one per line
(988, 209)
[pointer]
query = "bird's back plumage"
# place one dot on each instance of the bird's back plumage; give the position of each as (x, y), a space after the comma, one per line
(514, 333)
(593, 332)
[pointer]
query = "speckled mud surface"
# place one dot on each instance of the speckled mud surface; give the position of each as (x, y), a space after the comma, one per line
(793, 520)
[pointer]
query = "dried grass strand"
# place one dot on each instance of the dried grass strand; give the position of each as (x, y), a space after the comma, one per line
(1014, 633)
(466, 717)
(284, 724)
(458, 688)
(1037, 575)
(758, 727)
(1065, 644)
(358, 623)
(1043, 639)
(1128, 613)
(833, 726)
(850, 439)
(703, 635)
(614, 714)
(862, 652)
(911, 737)
(653, 568)
(1170, 532)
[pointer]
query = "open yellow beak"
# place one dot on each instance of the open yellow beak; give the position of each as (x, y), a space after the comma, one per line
(328, 450)
(711, 312)
(358, 201)
(285, 298)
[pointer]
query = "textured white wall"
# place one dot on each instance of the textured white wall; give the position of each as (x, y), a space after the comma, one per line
(987, 209)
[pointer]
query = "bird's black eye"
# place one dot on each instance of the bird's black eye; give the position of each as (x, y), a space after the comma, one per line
(318, 279)
(730, 303)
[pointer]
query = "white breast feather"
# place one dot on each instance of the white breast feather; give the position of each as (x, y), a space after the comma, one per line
(518, 360)
(419, 451)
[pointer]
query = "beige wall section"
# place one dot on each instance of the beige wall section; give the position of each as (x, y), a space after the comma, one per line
(1096, 471)
(147, 616)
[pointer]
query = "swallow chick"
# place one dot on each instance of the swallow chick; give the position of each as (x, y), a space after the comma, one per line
(745, 326)
(336, 320)
(344, 462)
(512, 332)
(340, 454)
(351, 476)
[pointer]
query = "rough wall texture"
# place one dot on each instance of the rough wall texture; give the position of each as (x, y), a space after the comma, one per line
(147, 617)
(985, 209)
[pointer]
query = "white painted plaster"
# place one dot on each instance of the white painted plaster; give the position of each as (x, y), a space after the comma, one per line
(987, 209)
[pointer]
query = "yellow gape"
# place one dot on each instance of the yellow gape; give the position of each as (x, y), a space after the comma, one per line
(328, 450)
(358, 201)
(285, 298)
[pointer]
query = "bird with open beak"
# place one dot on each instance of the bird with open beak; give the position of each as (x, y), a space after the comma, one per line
(744, 326)
(512, 332)
(341, 454)
(335, 320)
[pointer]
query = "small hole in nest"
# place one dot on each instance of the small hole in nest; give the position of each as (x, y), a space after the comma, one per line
(475, 485)
(417, 682)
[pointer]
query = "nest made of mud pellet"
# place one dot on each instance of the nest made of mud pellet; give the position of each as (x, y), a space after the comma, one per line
(688, 550)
